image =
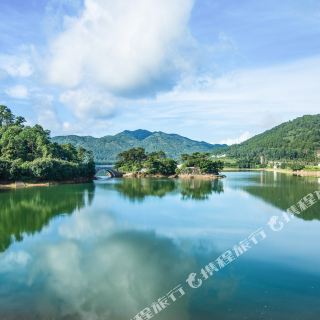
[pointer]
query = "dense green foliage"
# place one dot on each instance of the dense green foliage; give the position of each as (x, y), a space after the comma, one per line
(137, 160)
(131, 160)
(294, 140)
(297, 166)
(107, 148)
(26, 153)
(157, 162)
(201, 163)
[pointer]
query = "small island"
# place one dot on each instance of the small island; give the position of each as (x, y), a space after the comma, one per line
(136, 162)
(29, 156)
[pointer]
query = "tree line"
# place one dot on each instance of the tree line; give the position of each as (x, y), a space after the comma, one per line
(28, 154)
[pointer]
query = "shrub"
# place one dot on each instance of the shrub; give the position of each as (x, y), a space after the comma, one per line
(16, 170)
(297, 166)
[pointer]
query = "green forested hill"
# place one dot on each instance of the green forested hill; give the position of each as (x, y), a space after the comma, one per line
(296, 140)
(107, 148)
(27, 154)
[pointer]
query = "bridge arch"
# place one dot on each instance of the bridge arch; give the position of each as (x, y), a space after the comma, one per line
(104, 170)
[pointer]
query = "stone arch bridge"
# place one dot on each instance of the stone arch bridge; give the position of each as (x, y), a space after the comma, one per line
(107, 170)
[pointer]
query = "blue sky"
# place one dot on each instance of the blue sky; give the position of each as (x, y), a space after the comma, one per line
(219, 70)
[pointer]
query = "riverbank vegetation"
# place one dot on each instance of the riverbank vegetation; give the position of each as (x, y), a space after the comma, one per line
(27, 154)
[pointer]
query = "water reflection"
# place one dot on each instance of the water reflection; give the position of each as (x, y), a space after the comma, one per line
(126, 270)
(113, 257)
(199, 189)
(27, 211)
(139, 189)
(280, 190)
(111, 277)
(115, 275)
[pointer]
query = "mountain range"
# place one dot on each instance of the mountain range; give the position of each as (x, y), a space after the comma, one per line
(106, 149)
(298, 139)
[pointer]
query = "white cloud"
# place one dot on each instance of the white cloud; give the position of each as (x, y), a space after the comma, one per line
(204, 107)
(82, 226)
(45, 112)
(243, 137)
(124, 45)
(292, 83)
(88, 103)
(15, 66)
(251, 100)
(18, 91)
(90, 126)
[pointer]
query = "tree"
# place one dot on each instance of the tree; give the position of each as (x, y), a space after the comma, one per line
(297, 166)
(19, 121)
(161, 166)
(210, 167)
(4, 170)
(200, 163)
(157, 155)
(131, 160)
(6, 116)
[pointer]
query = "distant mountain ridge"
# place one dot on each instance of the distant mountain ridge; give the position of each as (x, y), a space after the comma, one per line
(298, 139)
(106, 149)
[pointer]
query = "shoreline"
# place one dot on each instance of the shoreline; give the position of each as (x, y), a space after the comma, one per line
(22, 184)
(175, 176)
(201, 176)
(241, 169)
(300, 173)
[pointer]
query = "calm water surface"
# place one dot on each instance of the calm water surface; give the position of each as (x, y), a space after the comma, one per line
(109, 249)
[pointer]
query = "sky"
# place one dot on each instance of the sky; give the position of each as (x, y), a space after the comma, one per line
(214, 70)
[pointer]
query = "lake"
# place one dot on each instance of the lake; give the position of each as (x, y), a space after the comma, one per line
(110, 249)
